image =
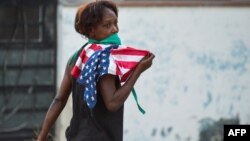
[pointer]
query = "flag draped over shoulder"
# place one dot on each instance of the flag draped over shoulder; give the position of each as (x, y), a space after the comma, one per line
(96, 60)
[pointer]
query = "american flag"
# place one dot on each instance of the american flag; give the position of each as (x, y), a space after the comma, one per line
(96, 60)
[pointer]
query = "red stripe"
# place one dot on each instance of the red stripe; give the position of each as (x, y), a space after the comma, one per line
(85, 59)
(83, 53)
(127, 65)
(75, 72)
(118, 71)
(125, 76)
(129, 51)
(95, 47)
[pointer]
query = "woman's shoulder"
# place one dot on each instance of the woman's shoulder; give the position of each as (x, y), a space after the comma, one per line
(73, 58)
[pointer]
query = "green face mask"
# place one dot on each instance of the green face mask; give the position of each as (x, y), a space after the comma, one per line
(112, 39)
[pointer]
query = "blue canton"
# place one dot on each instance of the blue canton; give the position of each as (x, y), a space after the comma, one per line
(96, 66)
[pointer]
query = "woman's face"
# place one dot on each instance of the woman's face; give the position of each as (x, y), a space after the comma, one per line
(107, 26)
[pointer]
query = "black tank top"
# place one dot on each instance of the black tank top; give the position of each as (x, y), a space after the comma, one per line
(97, 124)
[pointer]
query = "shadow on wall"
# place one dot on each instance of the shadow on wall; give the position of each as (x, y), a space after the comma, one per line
(213, 130)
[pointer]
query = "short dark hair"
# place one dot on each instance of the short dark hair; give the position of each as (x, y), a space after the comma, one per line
(90, 15)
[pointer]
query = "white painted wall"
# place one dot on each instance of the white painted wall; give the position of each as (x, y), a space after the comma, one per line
(201, 72)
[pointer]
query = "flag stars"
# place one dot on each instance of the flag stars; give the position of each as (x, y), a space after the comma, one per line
(96, 66)
(103, 61)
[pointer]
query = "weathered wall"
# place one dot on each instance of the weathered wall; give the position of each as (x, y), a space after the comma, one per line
(200, 77)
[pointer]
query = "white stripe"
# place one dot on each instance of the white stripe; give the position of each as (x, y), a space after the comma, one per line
(103, 46)
(89, 52)
(87, 46)
(112, 66)
(122, 46)
(123, 70)
(83, 65)
(79, 62)
(128, 58)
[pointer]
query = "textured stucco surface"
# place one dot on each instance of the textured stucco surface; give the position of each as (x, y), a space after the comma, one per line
(200, 77)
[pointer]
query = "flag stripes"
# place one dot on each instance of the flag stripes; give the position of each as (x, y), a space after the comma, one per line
(96, 60)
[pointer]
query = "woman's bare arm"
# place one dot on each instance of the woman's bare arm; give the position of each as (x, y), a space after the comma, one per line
(56, 106)
(115, 97)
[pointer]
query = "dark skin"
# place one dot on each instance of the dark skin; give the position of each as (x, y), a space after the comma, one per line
(113, 96)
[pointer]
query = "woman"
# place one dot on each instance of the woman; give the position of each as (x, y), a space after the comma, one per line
(98, 22)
